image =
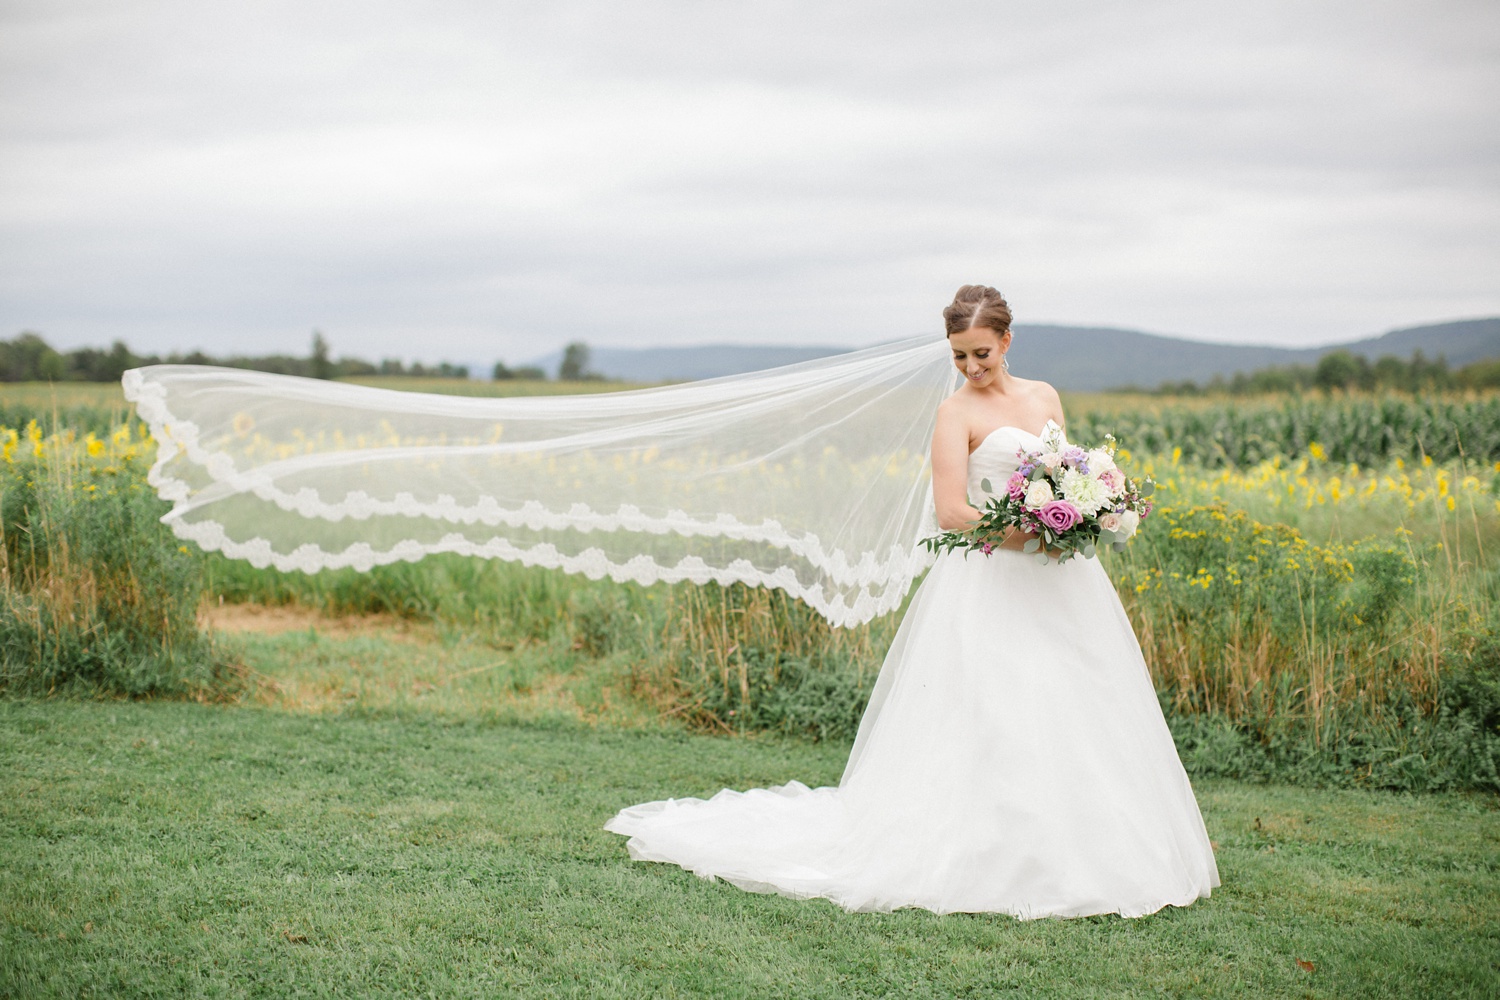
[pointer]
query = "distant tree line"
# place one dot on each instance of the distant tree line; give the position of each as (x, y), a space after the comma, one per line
(1345, 371)
(575, 366)
(29, 358)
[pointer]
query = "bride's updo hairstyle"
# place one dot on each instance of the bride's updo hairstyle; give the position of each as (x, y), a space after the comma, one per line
(977, 306)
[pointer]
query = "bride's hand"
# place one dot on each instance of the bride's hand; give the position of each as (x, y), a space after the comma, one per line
(1016, 540)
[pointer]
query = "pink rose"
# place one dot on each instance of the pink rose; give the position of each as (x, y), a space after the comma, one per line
(1113, 480)
(1016, 486)
(1110, 522)
(1059, 515)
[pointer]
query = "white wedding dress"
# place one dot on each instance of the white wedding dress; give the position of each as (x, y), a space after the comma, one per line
(1013, 759)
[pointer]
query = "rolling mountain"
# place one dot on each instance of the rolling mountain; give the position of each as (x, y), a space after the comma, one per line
(1077, 358)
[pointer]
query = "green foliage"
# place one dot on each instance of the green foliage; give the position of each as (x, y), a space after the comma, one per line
(504, 373)
(98, 596)
(29, 358)
(1466, 731)
(1221, 576)
(1279, 659)
(1277, 656)
(81, 419)
(574, 366)
(1346, 371)
(505, 600)
(821, 697)
(320, 365)
(1363, 430)
(601, 621)
(1455, 747)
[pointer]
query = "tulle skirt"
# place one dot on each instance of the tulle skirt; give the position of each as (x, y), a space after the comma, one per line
(1013, 759)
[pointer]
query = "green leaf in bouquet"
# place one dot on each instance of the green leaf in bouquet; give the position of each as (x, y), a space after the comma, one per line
(1041, 557)
(1119, 546)
(1032, 545)
(984, 484)
(1088, 551)
(1148, 488)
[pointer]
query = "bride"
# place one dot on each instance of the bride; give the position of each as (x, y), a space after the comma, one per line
(1013, 757)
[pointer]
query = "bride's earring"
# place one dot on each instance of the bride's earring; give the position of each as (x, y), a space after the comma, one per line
(1005, 364)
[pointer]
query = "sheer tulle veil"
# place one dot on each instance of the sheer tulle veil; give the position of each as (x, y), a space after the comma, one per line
(811, 478)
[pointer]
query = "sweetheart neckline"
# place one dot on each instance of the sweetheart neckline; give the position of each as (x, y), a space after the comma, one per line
(1012, 427)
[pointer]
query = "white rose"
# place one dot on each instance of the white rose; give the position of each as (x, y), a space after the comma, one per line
(1038, 493)
(1052, 460)
(1110, 522)
(1100, 462)
(1129, 521)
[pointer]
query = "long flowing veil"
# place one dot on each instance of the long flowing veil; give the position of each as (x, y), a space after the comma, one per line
(812, 478)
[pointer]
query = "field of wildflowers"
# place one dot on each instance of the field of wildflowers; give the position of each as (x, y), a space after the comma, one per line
(97, 596)
(1316, 592)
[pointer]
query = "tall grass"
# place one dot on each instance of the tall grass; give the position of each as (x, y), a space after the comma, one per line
(1303, 616)
(738, 658)
(97, 596)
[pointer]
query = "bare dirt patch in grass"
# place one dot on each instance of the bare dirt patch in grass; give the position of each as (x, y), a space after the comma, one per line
(279, 620)
(301, 660)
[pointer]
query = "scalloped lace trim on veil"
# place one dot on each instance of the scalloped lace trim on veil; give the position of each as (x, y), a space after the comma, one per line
(811, 478)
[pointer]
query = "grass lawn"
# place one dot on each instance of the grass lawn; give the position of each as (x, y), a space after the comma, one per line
(175, 849)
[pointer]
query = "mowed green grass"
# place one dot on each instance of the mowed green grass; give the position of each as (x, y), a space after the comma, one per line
(175, 849)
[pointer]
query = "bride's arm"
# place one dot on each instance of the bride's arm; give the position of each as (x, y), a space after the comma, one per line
(950, 472)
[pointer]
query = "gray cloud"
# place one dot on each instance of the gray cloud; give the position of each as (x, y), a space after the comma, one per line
(489, 180)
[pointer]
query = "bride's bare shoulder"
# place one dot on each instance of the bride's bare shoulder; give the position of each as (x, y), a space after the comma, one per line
(1042, 396)
(954, 409)
(1037, 389)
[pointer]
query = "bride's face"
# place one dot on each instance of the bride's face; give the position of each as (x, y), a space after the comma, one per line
(977, 354)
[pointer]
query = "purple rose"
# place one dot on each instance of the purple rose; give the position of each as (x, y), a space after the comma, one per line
(1059, 515)
(1015, 488)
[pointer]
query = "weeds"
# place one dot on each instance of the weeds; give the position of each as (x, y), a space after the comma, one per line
(98, 596)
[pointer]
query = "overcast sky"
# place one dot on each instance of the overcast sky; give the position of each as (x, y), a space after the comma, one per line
(481, 180)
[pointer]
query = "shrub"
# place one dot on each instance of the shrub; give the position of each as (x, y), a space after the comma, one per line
(98, 596)
(1245, 618)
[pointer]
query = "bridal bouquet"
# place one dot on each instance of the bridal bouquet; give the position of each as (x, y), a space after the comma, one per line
(1067, 498)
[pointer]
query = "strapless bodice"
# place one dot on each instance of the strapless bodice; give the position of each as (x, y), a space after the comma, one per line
(995, 459)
